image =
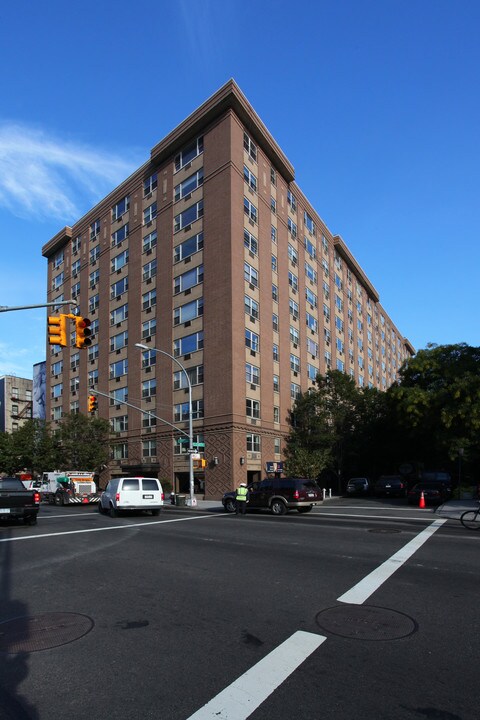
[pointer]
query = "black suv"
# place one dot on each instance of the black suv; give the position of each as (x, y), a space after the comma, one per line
(279, 495)
(391, 486)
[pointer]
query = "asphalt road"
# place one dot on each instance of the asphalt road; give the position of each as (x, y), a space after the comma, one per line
(360, 609)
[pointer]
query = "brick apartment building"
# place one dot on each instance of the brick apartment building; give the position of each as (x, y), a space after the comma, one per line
(210, 252)
(15, 402)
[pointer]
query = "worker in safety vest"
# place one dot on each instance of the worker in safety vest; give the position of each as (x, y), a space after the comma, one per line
(241, 499)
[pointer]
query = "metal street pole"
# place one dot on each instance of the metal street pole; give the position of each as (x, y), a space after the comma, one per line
(192, 500)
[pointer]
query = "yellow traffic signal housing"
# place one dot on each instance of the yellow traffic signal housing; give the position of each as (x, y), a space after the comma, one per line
(82, 326)
(57, 330)
(92, 403)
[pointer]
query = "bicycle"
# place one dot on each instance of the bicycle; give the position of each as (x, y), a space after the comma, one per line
(471, 519)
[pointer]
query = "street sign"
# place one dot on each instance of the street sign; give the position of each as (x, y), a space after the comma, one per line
(198, 444)
(182, 441)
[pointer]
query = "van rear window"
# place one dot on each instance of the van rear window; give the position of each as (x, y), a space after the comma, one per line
(131, 484)
(150, 484)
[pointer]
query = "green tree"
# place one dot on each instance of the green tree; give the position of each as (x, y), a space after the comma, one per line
(34, 447)
(436, 405)
(84, 441)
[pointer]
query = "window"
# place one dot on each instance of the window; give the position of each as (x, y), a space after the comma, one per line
(250, 178)
(120, 451)
(76, 245)
(310, 273)
(119, 314)
(250, 274)
(150, 213)
(312, 347)
(118, 288)
(57, 367)
(150, 241)
(120, 235)
(195, 375)
(274, 263)
(273, 234)
(93, 303)
(75, 291)
(188, 216)
(119, 261)
(250, 147)
(309, 223)
(253, 408)
(292, 201)
(182, 411)
(149, 299)
(292, 228)
(189, 311)
(250, 242)
(276, 446)
(117, 369)
(276, 383)
(187, 186)
(93, 352)
(293, 306)
(338, 323)
(93, 278)
(150, 184)
(189, 247)
(250, 210)
(326, 312)
(276, 414)
(275, 322)
(149, 448)
(149, 270)
(119, 424)
(340, 346)
(251, 307)
(293, 281)
(311, 298)
(273, 205)
(273, 177)
(252, 340)
(252, 374)
(295, 391)
(74, 385)
(149, 328)
(310, 248)
(188, 279)
(188, 344)
(149, 388)
(76, 267)
(57, 281)
(57, 390)
(253, 442)
(149, 358)
(117, 342)
(311, 372)
(292, 254)
(294, 363)
(120, 208)
(75, 361)
(120, 395)
(274, 293)
(294, 335)
(148, 421)
(58, 260)
(94, 229)
(94, 254)
(188, 154)
(276, 355)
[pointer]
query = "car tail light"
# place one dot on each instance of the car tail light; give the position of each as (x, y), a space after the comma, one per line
(163, 496)
(117, 497)
(296, 495)
(36, 498)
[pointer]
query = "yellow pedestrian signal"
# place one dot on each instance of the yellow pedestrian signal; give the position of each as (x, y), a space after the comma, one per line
(92, 403)
(57, 330)
(82, 326)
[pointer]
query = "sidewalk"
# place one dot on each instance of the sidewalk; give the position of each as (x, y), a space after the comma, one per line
(454, 508)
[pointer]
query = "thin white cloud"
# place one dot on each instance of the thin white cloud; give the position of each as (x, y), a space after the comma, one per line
(47, 177)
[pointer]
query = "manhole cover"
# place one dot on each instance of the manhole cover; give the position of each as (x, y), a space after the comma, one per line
(41, 632)
(384, 530)
(365, 622)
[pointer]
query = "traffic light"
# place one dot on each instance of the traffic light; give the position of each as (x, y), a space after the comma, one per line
(57, 330)
(82, 326)
(92, 403)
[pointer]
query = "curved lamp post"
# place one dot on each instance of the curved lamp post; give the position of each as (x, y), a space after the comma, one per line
(192, 500)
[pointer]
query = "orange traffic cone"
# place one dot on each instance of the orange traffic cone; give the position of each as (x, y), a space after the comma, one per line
(422, 500)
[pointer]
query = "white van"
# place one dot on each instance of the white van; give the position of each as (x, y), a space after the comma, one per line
(132, 493)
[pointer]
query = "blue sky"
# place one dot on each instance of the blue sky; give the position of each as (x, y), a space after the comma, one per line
(375, 103)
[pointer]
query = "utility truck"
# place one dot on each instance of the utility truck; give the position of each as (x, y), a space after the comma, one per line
(71, 487)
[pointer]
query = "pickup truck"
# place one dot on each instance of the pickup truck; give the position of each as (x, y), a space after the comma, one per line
(17, 502)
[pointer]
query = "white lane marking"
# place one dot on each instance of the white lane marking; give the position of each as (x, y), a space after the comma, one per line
(111, 527)
(370, 517)
(240, 699)
(366, 587)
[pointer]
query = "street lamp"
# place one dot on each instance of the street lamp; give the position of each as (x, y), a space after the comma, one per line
(192, 501)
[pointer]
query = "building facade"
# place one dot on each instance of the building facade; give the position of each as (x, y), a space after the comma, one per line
(210, 252)
(15, 402)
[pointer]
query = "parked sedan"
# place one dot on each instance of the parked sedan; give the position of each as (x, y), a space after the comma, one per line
(390, 486)
(358, 486)
(433, 493)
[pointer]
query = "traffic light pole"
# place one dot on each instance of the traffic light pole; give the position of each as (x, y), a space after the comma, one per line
(5, 308)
